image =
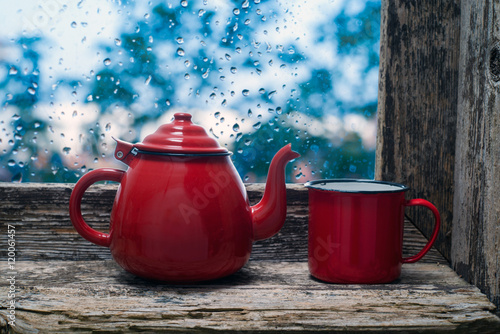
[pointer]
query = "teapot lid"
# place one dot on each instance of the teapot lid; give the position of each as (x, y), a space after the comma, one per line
(182, 137)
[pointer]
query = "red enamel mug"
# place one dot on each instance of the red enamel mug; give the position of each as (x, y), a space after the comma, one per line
(356, 230)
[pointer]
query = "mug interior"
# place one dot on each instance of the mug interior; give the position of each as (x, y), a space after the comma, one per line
(356, 186)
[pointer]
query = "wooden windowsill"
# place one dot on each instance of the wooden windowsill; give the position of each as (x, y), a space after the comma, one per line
(65, 283)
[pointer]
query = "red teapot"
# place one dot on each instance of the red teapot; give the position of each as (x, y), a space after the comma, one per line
(181, 212)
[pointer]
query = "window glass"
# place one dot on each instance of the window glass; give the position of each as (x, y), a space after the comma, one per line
(256, 74)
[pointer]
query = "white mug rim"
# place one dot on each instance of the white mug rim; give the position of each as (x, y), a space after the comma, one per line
(393, 187)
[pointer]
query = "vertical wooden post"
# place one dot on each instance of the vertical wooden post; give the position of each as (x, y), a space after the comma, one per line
(475, 252)
(418, 103)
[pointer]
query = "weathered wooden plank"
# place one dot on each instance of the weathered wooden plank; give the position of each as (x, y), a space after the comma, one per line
(44, 232)
(417, 104)
(87, 296)
(476, 223)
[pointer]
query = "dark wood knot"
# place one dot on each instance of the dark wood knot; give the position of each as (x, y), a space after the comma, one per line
(495, 63)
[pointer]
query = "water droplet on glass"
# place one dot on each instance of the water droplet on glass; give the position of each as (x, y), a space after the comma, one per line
(245, 92)
(298, 176)
(184, 3)
(17, 178)
(245, 4)
(213, 96)
(73, 24)
(201, 12)
(108, 127)
(236, 127)
(352, 168)
(271, 94)
(234, 70)
(66, 150)
(257, 125)
(228, 56)
(83, 169)
(248, 142)
(11, 163)
(186, 76)
(236, 11)
(12, 70)
(107, 61)
(249, 113)
(180, 52)
(148, 80)
(118, 42)
(32, 91)
(16, 117)
(75, 113)
(180, 40)
(205, 75)
(213, 133)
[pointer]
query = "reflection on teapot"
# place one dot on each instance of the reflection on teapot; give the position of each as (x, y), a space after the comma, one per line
(181, 212)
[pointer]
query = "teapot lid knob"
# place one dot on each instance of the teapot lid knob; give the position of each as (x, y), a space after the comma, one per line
(182, 116)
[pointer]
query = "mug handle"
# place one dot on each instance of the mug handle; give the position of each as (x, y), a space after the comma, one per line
(429, 205)
(75, 201)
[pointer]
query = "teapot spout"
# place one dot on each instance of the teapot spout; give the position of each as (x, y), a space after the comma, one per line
(268, 216)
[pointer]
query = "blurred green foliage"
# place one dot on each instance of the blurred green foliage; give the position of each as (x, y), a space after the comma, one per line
(186, 56)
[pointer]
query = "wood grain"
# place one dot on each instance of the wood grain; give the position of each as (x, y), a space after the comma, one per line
(98, 297)
(476, 223)
(40, 215)
(417, 104)
(66, 284)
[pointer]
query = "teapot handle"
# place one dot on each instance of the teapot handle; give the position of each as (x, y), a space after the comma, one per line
(75, 201)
